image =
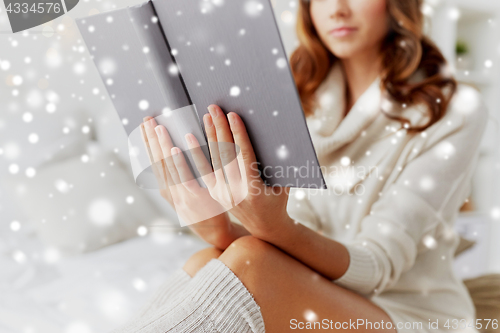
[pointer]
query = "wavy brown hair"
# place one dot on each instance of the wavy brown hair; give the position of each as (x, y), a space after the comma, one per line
(406, 53)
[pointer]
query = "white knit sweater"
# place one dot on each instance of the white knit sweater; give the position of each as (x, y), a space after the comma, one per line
(397, 222)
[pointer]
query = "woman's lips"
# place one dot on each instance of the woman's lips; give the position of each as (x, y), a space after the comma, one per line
(342, 32)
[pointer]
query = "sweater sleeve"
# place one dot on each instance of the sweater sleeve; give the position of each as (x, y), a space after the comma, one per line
(402, 221)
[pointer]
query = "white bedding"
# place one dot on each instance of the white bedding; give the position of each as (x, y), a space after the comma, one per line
(94, 292)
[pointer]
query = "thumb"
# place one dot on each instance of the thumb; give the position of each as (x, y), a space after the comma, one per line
(278, 190)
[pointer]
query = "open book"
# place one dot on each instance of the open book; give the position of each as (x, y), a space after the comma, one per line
(170, 59)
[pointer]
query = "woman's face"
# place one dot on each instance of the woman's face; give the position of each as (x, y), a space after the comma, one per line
(349, 28)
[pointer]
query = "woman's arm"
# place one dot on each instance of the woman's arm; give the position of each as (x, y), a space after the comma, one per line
(391, 235)
(406, 215)
(324, 255)
(219, 231)
(261, 209)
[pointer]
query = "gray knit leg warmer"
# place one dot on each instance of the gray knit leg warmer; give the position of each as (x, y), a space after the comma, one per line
(174, 284)
(213, 301)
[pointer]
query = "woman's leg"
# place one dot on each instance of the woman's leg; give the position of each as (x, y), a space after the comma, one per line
(254, 287)
(285, 289)
(176, 282)
(214, 300)
(200, 259)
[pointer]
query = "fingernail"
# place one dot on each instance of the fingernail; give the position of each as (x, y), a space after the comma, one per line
(147, 121)
(189, 138)
(213, 111)
(158, 130)
(232, 118)
(208, 120)
(175, 151)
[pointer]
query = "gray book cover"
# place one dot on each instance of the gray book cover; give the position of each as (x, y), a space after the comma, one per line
(170, 59)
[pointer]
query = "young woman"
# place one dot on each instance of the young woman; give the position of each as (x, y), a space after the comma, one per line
(372, 253)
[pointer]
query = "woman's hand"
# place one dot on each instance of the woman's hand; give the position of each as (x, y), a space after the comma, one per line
(261, 209)
(193, 204)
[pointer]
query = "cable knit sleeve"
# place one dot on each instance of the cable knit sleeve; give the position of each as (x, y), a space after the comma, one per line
(413, 205)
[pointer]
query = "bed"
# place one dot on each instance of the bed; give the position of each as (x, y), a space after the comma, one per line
(92, 292)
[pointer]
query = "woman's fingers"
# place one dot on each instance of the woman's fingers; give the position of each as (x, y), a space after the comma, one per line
(146, 141)
(214, 149)
(241, 139)
(226, 146)
(184, 172)
(200, 160)
(154, 145)
(176, 164)
(154, 153)
(223, 132)
(166, 146)
(157, 161)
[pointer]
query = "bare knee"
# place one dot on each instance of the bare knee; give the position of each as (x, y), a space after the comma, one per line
(200, 259)
(249, 246)
(245, 252)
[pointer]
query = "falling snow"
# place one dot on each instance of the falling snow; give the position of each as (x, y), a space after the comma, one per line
(30, 172)
(107, 66)
(310, 315)
(143, 105)
(253, 8)
(101, 212)
(234, 91)
(427, 183)
(430, 242)
(173, 69)
(444, 150)
(33, 138)
(142, 231)
(345, 161)
(15, 226)
(62, 186)
(27, 117)
(34, 95)
(281, 63)
(282, 152)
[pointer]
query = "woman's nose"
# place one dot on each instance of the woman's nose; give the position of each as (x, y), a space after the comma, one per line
(340, 8)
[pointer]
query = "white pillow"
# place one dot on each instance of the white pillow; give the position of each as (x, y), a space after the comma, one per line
(84, 203)
(111, 135)
(30, 138)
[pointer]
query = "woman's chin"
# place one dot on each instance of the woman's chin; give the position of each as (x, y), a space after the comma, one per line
(344, 52)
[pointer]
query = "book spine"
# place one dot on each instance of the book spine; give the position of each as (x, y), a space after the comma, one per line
(161, 65)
